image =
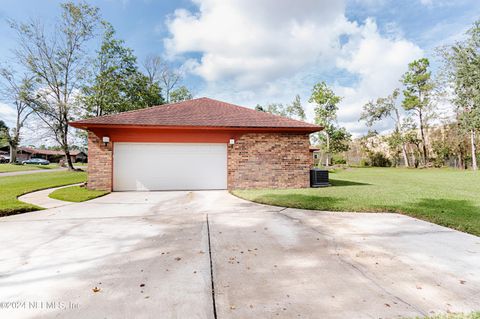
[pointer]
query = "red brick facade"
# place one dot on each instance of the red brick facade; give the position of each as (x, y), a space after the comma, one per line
(99, 163)
(256, 160)
(269, 160)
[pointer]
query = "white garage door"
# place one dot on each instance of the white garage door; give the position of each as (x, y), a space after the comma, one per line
(169, 166)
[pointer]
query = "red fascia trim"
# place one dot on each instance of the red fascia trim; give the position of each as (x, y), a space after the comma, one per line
(213, 128)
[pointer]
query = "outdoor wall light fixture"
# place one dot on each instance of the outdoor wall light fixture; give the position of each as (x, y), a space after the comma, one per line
(106, 140)
(232, 141)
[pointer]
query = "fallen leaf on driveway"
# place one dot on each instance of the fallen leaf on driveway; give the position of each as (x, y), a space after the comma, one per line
(462, 282)
(178, 258)
(96, 289)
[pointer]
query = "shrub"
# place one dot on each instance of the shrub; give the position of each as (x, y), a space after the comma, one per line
(338, 159)
(364, 163)
(379, 160)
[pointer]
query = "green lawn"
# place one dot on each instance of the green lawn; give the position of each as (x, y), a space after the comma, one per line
(473, 315)
(76, 194)
(444, 196)
(13, 186)
(5, 168)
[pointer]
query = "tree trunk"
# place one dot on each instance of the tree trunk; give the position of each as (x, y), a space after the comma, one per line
(413, 156)
(474, 150)
(69, 160)
(461, 161)
(404, 147)
(13, 142)
(13, 153)
(422, 135)
(65, 147)
(328, 149)
(405, 156)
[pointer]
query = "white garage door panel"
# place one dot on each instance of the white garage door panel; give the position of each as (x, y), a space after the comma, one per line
(169, 166)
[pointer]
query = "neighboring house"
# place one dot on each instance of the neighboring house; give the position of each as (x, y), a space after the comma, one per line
(315, 155)
(79, 156)
(4, 156)
(197, 144)
(25, 153)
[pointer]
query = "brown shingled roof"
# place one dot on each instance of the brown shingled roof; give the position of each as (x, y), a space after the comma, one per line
(46, 152)
(202, 112)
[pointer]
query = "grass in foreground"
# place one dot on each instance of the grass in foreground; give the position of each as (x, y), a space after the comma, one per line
(76, 194)
(6, 168)
(473, 315)
(443, 196)
(13, 186)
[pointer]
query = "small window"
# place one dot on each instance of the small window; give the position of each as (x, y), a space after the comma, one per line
(315, 156)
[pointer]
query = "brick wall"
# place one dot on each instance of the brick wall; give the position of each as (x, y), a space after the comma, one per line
(269, 160)
(99, 163)
(256, 160)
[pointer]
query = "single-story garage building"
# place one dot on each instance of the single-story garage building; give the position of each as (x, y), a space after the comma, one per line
(197, 144)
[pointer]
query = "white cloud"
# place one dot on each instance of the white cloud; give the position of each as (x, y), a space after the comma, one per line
(256, 41)
(251, 52)
(379, 62)
(441, 3)
(7, 114)
(426, 2)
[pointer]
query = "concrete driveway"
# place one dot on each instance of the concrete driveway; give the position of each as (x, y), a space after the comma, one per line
(211, 255)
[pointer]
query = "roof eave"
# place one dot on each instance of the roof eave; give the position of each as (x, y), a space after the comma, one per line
(307, 129)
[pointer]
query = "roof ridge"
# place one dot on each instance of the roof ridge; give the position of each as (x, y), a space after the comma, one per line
(138, 110)
(202, 111)
(264, 112)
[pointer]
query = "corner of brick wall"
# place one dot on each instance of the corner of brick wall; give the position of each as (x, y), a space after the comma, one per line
(269, 160)
(99, 164)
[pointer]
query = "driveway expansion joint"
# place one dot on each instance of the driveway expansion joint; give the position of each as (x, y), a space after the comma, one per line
(63, 253)
(211, 269)
(352, 264)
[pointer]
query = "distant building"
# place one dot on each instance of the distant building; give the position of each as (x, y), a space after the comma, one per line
(25, 153)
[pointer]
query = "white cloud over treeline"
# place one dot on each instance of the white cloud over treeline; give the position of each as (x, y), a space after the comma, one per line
(251, 51)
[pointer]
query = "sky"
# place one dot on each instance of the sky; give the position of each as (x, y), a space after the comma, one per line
(250, 52)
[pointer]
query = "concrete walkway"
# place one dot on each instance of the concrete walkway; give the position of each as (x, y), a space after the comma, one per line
(41, 199)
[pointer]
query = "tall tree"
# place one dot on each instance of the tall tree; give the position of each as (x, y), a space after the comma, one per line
(276, 108)
(326, 107)
(4, 134)
(58, 63)
(180, 94)
(293, 110)
(117, 84)
(417, 93)
(463, 65)
(259, 108)
(13, 91)
(382, 108)
(158, 71)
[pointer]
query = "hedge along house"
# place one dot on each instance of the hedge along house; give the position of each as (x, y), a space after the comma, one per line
(194, 145)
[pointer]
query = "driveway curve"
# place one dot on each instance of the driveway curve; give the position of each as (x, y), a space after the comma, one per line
(211, 255)
(40, 198)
